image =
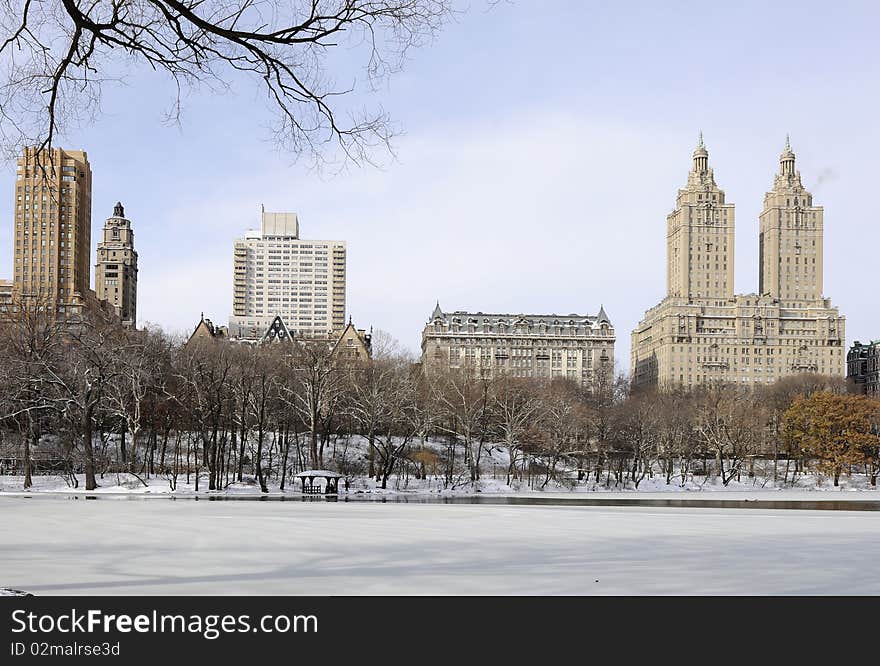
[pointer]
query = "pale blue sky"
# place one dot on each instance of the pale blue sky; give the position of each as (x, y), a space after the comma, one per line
(544, 143)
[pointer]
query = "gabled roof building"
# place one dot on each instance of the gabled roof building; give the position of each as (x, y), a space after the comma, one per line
(574, 346)
(206, 330)
(350, 343)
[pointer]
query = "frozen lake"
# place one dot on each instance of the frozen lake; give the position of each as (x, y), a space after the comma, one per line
(58, 546)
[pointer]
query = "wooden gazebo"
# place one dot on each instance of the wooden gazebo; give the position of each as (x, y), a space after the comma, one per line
(310, 487)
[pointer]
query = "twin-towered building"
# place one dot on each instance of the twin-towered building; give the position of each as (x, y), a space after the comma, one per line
(702, 332)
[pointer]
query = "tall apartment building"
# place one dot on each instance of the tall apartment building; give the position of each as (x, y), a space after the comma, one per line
(279, 274)
(575, 347)
(702, 225)
(116, 272)
(53, 203)
(701, 332)
(863, 368)
(790, 241)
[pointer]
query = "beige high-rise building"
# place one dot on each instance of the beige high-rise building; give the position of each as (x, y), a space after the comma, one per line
(279, 274)
(790, 242)
(116, 272)
(53, 203)
(701, 332)
(699, 237)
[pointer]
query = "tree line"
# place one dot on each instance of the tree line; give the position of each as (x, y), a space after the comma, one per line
(95, 399)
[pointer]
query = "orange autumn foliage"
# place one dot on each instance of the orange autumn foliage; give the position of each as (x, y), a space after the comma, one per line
(837, 431)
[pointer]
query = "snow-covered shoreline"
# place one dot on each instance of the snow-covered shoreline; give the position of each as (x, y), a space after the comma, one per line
(809, 488)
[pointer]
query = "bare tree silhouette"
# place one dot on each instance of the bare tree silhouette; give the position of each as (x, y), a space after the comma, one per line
(58, 55)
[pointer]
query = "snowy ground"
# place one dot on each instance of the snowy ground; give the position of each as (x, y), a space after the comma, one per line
(494, 465)
(808, 486)
(50, 545)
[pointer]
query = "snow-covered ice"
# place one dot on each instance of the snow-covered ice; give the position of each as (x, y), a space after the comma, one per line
(133, 546)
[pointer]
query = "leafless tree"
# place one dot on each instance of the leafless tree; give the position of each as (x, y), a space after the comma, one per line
(58, 55)
(370, 401)
(139, 357)
(729, 426)
(398, 419)
(30, 342)
(676, 442)
(516, 406)
(261, 365)
(76, 388)
(202, 373)
(461, 397)
(316, 381)
(563, 422)
(636, 431)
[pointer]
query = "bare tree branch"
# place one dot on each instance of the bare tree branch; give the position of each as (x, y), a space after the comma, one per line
(58, 55)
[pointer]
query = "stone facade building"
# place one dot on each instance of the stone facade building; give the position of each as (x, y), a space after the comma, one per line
(5, 295)
(700, 238)
(116, 272)
(279, 274)
(702, 332)
(53, 226)
(863, 368)
(576, 347)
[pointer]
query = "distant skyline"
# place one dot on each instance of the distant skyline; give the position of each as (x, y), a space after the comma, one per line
(538, 164)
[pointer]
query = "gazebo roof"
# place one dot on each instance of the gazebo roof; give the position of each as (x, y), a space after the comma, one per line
(309, 473)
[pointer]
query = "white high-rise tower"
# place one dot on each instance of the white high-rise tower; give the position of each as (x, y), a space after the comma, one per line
(278, 274)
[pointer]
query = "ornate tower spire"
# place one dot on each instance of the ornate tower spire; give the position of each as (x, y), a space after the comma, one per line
(786, 160)
(117, 267)
(699, 237)
(701, 156)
